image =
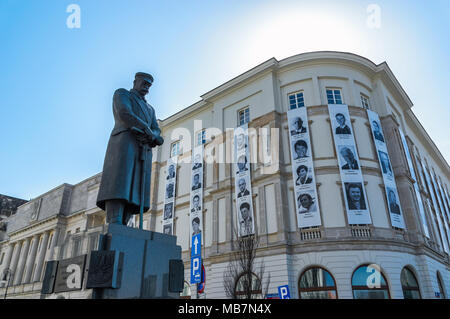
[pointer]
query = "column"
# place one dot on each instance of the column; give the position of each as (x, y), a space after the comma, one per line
(8, 256)
(53, 244)
(30, 260)
(21, 264)
(40, 258)
(15, 258)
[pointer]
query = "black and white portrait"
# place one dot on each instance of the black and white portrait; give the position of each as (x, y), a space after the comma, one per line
(355, 196)
(377, 132)
(303, 177)
(246, 221)
(347, 154)
(240, 142)
(196, 226)
(197, 162)
(242, 185)
(300, 149)
(242, 164)
(385, 163)
(168, 211)
(196, 183)
(342, 127)
(394, 207)
(167, 229)
(171, 171)
(196, 206)
(170, 188)
(297, 126)
(306, 202)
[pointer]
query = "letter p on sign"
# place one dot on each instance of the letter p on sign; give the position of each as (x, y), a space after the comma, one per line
(283, 292)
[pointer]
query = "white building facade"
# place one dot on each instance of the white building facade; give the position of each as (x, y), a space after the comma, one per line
(336, 257)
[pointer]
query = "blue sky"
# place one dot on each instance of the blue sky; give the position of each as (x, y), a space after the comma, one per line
(56, 83)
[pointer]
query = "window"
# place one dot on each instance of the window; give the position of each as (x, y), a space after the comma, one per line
(244, 116)
(369, 283)
(201, 139)
(334, 96)
(1, 259)
(93, 241)
(50, 241)
(365, 102)
(242, 283)
(186, 294)
(76, 247)
(410, 286)
(441, 287)
(175, 149)
(296, 100)
(317, 283)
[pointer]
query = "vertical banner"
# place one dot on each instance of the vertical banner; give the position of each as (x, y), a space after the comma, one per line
(348, 160)
(441, 208)
(435, 205)
(243, 187)
(196, 207)
(416, 186)
(307, 204)
(169, 195)
(390, 187)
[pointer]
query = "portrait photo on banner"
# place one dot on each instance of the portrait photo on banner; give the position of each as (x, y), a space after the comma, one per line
(298, 125)
(168, 210)
(300, 148)
(167, 229)
(306, 201)
(245, 217)
(394, 207)
(347, 155)
(355, 196)
(341, 123)
(304, 174)
(385, 163)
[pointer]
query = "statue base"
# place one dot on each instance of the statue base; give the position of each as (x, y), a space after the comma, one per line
(134, 263)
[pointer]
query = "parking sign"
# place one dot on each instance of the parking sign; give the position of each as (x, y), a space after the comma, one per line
(283, 292)
(196, 270)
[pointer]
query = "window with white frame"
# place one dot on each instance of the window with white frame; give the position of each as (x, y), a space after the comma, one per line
(175, 149)
(365, 101)
(334, 96)
(243, 116)
(201, 138)
(296, 100)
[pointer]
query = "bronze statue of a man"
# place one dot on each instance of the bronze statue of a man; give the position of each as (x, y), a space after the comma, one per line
(125, 184)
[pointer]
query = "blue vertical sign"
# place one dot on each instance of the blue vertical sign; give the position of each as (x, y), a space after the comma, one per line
(283, 292)
(196, 245)
(196, 259)
(196, 270)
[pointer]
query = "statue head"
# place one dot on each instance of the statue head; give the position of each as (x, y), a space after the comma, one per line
(142, 83)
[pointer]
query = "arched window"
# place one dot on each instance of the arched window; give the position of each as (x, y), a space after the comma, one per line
(441, 286)
(317, 283)
(243, 282)
(369, 283)
(410, 286)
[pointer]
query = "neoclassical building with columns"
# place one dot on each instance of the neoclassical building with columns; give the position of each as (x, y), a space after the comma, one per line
(403, 242)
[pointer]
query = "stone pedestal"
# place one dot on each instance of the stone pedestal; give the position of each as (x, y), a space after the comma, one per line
(145, 267)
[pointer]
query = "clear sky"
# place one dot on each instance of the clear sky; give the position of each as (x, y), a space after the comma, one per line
(56, 83)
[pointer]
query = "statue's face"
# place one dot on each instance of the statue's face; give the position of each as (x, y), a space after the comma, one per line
(142, 86)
